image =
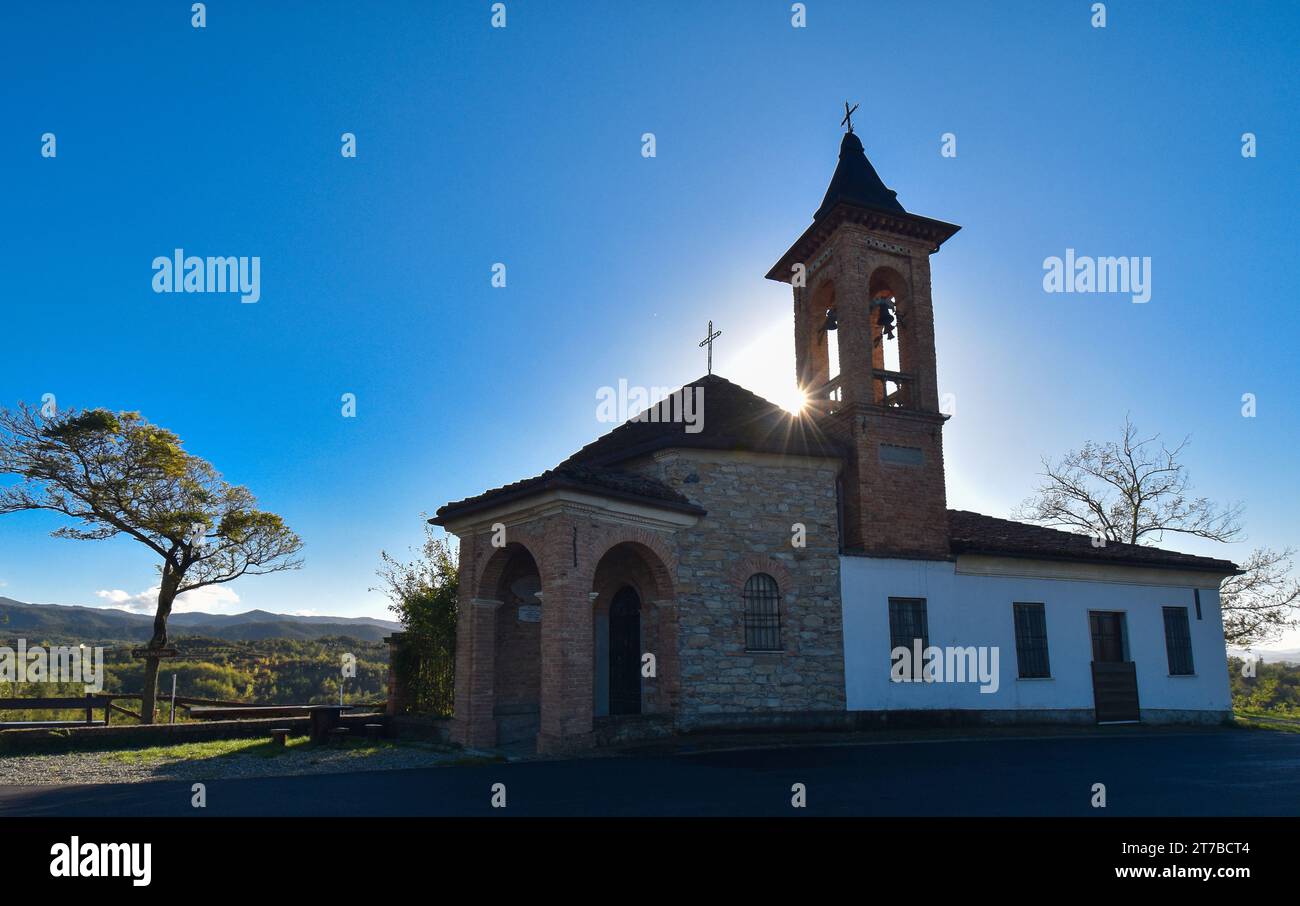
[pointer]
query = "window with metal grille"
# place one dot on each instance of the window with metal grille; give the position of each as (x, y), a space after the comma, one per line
(907, 623)
(762, 613)
(1178, 641)
(1031, 641)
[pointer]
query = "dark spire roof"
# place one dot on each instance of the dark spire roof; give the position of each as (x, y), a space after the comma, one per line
(856, 182)
(857, 195)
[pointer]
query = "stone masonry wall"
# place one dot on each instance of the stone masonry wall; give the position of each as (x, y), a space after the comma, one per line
(752, 502)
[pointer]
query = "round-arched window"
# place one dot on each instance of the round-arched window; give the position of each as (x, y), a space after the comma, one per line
(762, 599)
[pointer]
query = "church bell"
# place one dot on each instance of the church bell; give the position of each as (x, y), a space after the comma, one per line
(885, 318)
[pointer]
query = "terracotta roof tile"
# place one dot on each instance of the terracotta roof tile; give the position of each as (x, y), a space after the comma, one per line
(607, 482)
(729, 417)
(974, 533)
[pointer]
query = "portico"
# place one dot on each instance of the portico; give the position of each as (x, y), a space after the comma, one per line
(569, 590)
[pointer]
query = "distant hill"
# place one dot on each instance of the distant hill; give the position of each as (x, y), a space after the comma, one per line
(1291, 656)
(87, 624)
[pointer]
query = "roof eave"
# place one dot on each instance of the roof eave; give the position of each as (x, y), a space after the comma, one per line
(1218, 567)
(910, 226)
(657, 445)
(453, 512)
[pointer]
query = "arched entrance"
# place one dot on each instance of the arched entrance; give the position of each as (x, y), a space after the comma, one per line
(518, 650)
(625, 652)
(634, 634)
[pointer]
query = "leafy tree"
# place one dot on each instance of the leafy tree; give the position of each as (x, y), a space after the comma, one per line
(423, 595)
(1133, 491)
(117, 474)
(1272, 689)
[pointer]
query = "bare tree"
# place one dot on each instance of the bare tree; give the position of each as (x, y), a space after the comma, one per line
(117, 474)
(1262, 601)
(1134, 490)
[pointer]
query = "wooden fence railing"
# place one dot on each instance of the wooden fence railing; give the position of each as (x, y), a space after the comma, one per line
(201, 708)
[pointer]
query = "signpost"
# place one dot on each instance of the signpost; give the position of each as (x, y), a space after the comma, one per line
(154, 652)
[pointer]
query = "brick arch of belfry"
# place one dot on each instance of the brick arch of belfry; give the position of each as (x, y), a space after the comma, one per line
(582, 558)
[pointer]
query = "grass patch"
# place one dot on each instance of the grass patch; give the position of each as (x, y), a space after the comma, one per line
(195, 751)
(1259, 720)
(257, 748)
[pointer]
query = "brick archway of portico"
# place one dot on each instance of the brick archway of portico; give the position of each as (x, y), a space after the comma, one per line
(567, 544)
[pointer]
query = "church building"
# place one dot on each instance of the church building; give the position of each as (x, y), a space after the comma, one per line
(769, 569)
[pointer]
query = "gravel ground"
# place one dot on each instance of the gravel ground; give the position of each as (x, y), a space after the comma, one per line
(109, 767)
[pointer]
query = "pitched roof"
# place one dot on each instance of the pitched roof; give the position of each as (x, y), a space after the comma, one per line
(974, 533)
(729, 418)
(856, 182)
(606, 482)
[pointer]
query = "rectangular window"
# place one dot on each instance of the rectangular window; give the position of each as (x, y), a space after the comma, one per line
(1031, 640)
(1178, 641)
(907, 622)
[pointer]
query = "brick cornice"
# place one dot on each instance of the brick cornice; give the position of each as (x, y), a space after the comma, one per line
(906, 227)
(848, 410)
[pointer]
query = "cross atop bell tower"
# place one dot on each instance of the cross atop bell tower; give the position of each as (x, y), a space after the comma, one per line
(848, 116)
(865, 354)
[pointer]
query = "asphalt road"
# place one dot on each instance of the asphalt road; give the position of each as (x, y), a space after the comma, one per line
(1244, 772)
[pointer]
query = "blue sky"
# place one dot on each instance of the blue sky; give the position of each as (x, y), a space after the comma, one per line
(522, 145)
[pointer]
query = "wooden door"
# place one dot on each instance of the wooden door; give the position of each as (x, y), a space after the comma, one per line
(1114, 677)
(625, 652)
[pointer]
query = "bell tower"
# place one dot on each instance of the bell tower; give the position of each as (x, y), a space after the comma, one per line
(865, 356)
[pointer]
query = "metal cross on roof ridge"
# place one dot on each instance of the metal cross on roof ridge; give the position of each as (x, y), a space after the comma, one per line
(708, 341)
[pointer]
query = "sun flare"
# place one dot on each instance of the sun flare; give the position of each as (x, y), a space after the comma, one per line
(766, 366)
(792, 401)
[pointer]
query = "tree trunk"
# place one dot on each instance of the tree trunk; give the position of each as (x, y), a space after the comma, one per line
(150, 695)
(166, 595)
